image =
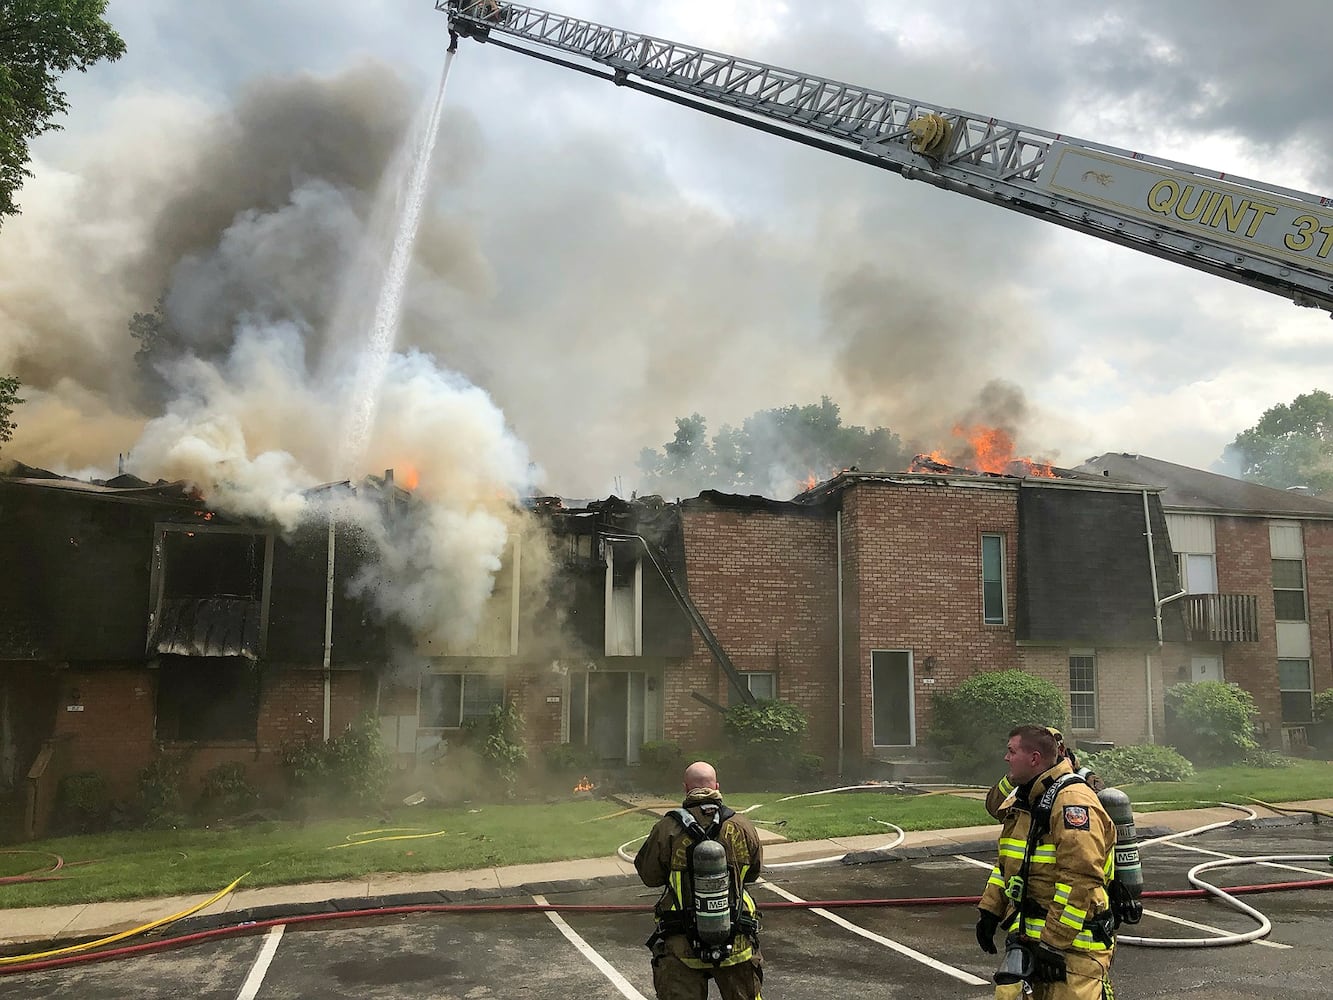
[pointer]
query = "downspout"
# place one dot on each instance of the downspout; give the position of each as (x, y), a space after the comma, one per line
(1158, 602)
(842, 699)
(328, 637)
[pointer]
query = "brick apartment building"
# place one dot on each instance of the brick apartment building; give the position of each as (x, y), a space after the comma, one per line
(1257, 566)
(133, 618)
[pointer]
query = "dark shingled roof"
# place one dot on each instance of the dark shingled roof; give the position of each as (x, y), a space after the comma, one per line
(1184, 488)
(1083, 573)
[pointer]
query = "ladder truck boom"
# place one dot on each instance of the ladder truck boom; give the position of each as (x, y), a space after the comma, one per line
(1269, 237)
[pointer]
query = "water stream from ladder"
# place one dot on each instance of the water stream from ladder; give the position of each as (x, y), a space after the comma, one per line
(383, 331)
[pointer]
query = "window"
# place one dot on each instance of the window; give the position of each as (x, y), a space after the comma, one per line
(1198, 573)
(764, 686)
(1289, 590)
(992, 579)
(207, 699)
(1082, 691)
(450, 700)
(1293, 680)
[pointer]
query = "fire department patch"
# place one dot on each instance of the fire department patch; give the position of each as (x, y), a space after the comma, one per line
(1076, 818)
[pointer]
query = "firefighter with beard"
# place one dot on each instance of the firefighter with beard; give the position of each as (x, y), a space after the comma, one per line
(997, 799)
(704, 855)
(1049, 890)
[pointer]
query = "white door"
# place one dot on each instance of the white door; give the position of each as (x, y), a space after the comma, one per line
(1205, 668)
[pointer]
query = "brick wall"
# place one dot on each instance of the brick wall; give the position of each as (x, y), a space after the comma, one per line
(766, 583)
(1122, 707)
(1319, 580)
(912, 556)
(114, 734)
(1244, 566)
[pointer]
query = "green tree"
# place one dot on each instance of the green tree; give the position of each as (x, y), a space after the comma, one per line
(9, 398)
(157, 343)
(40, 40)
(1291, 445)
(773, 452)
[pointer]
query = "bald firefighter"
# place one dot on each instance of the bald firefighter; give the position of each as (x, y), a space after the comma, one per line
(704, 855)
(997, 799)
(1049, 890)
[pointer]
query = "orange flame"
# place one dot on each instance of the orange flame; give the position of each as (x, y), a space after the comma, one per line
(811, 481)
(584, 785)
(410, 477)
(988, 449)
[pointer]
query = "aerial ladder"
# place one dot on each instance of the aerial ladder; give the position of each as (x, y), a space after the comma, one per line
(1269, 237)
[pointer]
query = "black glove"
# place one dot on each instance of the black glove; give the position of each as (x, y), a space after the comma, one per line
(987, 924)
(1048, 965)
(1124, 907)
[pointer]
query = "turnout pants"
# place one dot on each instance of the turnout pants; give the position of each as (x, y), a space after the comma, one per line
(675, 980)
(1087, 977)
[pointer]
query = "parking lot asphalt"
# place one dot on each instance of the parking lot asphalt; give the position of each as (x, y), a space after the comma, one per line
(891, 952)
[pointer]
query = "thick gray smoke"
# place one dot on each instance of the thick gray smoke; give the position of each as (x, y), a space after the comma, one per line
(259, 226)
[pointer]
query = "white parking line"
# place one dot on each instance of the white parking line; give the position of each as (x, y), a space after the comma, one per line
(250, 989)
(1154, 913)
(889, 943)
(603, 966)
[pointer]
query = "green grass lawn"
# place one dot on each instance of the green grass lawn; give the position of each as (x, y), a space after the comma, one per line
(142, 864)
(1303, 779)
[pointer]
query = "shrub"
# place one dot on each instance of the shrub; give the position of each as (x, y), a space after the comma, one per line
(350, 770)
(564, 759)
(1323, 706)
(162, 791)
(1262, 758)
(498, 740)
(1138, 764)
(661, 763)
(226, 791)
(83, 803)
(765, 737)
(972, 722)
(1211, 722)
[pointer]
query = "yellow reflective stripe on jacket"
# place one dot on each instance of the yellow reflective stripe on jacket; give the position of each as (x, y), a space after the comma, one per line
(1011, 848)
(1033, 926)
(1006, 786)
(1062, 891)
(995, 877)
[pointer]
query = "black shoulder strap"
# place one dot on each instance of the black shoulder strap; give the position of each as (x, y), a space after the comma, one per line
(1041, 811)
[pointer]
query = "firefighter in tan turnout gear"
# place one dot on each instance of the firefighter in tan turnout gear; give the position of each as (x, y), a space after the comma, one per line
(1049, 891)
(704, 855)
(997, 799)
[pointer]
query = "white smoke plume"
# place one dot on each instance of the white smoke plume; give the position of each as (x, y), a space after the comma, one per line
(259, 235)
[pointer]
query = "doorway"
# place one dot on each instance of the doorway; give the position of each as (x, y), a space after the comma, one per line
(607, 713)
(892, 701)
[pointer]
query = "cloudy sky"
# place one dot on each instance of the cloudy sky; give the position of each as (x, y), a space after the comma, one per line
(599, 263)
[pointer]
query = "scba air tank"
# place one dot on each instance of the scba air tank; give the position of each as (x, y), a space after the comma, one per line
(712, 893)
(1127, 867)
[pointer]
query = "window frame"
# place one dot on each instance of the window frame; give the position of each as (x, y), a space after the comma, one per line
(463, 676)
(986, 617)
(748, 675)
(1091, 656)
(1303, 590)
(1307, 691)
(182, 699)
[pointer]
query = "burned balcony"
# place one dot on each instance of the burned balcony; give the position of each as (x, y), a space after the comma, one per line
(210, 585)
(1222, 617)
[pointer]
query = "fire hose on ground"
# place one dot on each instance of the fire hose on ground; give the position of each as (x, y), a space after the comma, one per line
(85, 953)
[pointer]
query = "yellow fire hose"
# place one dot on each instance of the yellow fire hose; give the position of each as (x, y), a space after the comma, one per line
(112, 939)
(403, 835)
